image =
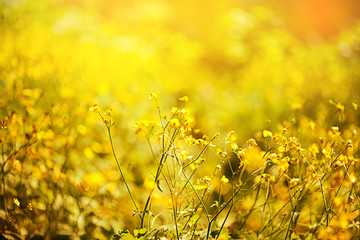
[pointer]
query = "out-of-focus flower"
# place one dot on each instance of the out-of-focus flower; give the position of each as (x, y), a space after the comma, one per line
(232, 136)
(94, 108)
(267, 133)
(293, 182)
(224, 179)
(184, 99)
(16, 202)
(251, 143)
(174, 123)
(154, 95)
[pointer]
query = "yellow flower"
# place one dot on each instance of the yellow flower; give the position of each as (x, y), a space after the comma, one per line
(234, 147)
(326, 153)
(221, 153)
(268, 178)
(240, 153)
(184, 99)
(94, 178)
(184, 155)
(108, 112)
(340, 107)
(16, 164)
(141, 127)
(16, 202)
(196, 130)
(163, 116)
(107, 122)
(283, 148)
(174, 110)
(283, 167)
(94, 108)
(206, 179)
(29, 206)
(334, 132)
(154, 95)
(312, 125)
(338, 163)
(313, 149)
(4, 122)
(231, 136)
(293, 182)
(315, 177)
(355, 105)
(267, 133)
(224, 179)
(352, 178)
(338, 201)
(296, 106)
(174, 123)
(273, 158)
(188, 120)
(251, 143)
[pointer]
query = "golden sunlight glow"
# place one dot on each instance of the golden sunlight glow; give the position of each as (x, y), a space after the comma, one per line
(168, 119)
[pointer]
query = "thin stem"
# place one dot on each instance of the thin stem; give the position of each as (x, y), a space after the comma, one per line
(158, 172)
(174, 203)
(200, 154)
(226, 217)
(121, 173)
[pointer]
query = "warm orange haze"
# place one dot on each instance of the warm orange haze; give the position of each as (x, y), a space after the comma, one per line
(182, 120)
(325, 18)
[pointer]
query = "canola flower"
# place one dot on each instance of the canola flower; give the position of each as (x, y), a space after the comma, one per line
(288, 166)
(275, 172)
(301, 116)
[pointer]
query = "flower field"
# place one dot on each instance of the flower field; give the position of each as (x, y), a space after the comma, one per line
(182, 120)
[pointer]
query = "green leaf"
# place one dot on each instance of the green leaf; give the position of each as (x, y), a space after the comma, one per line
(140, 232)
(123, 235)
(158, 186)
(309, 236)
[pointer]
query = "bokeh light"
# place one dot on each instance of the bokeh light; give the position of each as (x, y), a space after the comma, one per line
(245, 66)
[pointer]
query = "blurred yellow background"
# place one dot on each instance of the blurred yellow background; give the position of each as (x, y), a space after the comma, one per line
(240, 62)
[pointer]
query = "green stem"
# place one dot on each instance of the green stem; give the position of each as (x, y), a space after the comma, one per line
(121, 173)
